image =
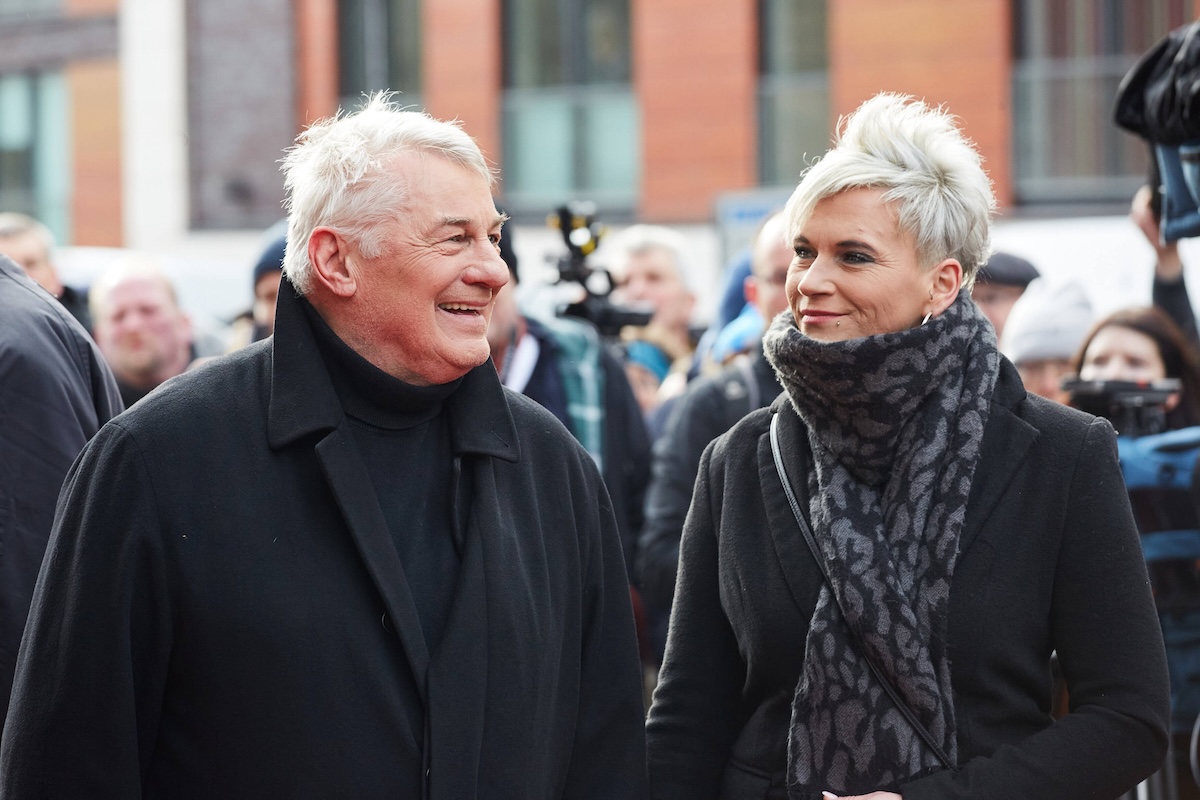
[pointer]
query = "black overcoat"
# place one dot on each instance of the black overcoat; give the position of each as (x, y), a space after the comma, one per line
(55, 393)
(223, 613)
(1049, 560)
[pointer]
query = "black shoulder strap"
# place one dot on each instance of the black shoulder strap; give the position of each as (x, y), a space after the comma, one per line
(811, 540)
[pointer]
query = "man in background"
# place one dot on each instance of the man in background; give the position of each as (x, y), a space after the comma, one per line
(998, 286)
(30, 244)
(145, 336)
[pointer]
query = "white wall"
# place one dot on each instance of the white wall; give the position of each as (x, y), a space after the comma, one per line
(153, 53)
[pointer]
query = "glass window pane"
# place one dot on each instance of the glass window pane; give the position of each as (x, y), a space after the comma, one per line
(26, 8)
(533, 44)
(793, 92)
(792, 35)
(611, 126)
(379, 47)
(571, 126)
(52, 157)
(793, 126)
(16, 112)
(1071, 56)
(538, 138)
(606, 42)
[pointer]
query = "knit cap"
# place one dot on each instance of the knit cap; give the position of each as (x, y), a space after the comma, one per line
(1050, 321)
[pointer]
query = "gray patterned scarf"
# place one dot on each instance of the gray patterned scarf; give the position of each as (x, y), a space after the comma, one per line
(894, 424)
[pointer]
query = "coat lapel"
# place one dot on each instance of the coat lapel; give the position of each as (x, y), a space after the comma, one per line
(458, 675)
(1006, 441)
(356, 498)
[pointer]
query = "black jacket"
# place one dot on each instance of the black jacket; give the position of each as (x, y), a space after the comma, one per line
(55, 393)
(626, 453)
(222, 611)
(710, 407)
(1049, 561)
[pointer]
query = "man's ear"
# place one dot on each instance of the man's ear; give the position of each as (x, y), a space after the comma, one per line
(750, 290)
(946, 283)
(329, 255)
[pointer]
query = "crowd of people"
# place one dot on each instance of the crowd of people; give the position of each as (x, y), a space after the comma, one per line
(398, 535)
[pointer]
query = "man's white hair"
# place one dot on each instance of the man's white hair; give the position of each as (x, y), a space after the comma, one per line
(131, 267)
(13, 224)
(921, 159)
(337, 174)
(638, 239)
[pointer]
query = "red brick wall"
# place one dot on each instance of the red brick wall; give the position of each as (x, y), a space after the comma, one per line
(316, 60)
(695, 75)
(95, 92)
(955, 53)
(461, 67)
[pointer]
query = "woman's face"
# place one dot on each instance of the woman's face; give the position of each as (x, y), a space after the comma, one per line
(1117, 353)
(855, 273)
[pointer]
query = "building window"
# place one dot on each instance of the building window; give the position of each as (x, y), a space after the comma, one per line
(1070, 57)
(379, 47)
(35, 154)
(29, 8)
(571, 125)
(793, 89)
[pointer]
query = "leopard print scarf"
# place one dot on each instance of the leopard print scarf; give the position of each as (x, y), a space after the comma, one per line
(894, 424)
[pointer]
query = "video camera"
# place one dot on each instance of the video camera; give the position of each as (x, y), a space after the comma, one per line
(581, 234)
(1135, 408)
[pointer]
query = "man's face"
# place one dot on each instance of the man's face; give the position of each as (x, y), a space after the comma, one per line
(996, 300)
(1045, 376)
(422, 308)
(651, 278)
(28, 250)
(142, 333)
(772, 257)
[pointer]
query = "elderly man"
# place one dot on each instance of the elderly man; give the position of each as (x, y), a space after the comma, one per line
(344, 561)
(30, 244)
(647, 264)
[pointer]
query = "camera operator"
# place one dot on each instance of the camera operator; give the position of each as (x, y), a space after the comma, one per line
(1137, 368)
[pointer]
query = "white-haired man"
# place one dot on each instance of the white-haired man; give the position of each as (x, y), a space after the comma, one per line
(344, 562)
(31, 244)
(648, 267)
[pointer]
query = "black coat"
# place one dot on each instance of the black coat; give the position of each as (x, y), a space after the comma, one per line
(1049, 561)
(55, 393)
(222, 611)
(708, 408)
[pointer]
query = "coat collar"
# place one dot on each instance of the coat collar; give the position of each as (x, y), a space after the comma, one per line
(303, 400)
(1006, 442)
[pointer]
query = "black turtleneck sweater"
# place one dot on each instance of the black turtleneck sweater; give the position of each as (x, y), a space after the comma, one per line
(403, 436)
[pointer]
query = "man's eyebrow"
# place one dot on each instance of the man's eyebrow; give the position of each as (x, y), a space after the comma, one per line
(462, 222)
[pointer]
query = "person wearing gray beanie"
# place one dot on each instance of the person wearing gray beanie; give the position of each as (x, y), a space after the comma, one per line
(1043, 332)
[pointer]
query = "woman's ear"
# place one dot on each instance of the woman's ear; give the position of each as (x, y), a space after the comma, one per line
(330, 256)
(946, 281)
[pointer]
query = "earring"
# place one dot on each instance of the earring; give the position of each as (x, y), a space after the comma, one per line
(928, 314)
